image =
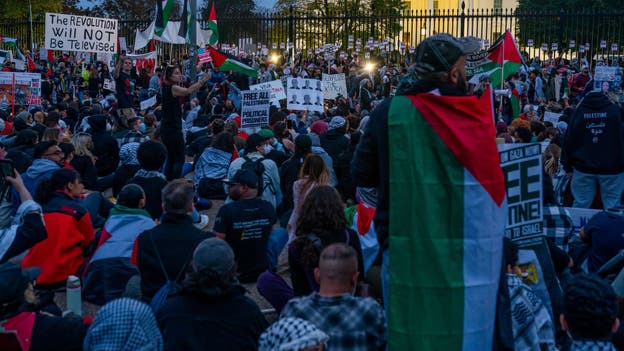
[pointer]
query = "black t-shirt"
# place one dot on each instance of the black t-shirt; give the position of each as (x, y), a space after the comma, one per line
(247, 225)
(54, 333)
(125, 90)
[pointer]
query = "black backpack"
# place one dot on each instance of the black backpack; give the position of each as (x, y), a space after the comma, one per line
(258, 168)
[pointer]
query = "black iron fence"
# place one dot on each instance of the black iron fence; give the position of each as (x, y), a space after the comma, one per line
(539, 33)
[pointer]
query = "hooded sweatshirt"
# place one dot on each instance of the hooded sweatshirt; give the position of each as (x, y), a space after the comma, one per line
(594, 141)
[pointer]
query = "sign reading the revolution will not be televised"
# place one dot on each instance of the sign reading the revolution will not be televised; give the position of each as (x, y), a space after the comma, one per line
(255, 106)
(521, 164)
(80, 33)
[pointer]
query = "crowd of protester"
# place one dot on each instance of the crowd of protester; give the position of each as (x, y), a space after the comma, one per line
(165, 282)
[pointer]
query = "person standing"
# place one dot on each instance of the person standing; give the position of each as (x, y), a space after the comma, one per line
(124, 86)
(171, 123)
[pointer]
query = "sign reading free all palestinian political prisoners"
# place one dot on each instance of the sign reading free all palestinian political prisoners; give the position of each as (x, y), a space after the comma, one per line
(255, 107)
(521, 164)
(334, 84)
(305, 94)
(275, 87)
(80, 33)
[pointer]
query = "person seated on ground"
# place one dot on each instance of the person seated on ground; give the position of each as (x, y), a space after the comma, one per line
(293, 334)
(603, 233)
(589, 313)
(170, 244)
(151, 155)
(352, 323)
(109, 269)
(132, 134)
(337, 146)
(124, 324)
(128, 166)
(105, 147)
(212, 166)
(246, 224)
(255, 151)
(532, 326)
(322, 222)
(26, 228)
(84, 160)
(290, 169)
(211, 311)
(69, 227)
(23, 149)
(273, 150)
(47, 158)
(19, 313)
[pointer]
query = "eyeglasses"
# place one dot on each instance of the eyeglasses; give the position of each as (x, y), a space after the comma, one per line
(55, 153)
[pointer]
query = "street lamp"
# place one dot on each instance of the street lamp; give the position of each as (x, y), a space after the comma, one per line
(423, 30)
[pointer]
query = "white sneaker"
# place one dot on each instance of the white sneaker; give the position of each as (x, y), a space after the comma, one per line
(203, 221)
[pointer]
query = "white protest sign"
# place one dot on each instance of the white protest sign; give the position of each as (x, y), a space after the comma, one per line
(580, 217)
(255, 106)
(551, 117)
(145, 104)
(122, 44)
(608, 79)
(80, 33)
(334, 84)
(521, 164)
(275, 88)
(305, 94)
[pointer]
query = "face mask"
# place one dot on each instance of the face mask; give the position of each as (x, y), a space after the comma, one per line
(267, 148)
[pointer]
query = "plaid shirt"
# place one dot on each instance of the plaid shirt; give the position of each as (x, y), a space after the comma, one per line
(591, 345)
(132, 137)
(558, 225)
(352, 323)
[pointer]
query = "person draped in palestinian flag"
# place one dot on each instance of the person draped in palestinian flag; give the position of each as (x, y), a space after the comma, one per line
(430, 150)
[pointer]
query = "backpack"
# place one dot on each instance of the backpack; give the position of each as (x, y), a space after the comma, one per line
(171, 287)
(258, 168)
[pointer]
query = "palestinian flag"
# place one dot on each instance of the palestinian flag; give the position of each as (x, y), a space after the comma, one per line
(447, 217)
(211, 26)
(503, 59)
(225, 62)
(515, 103)
(164, 9)
(186, 22)
(12, 43)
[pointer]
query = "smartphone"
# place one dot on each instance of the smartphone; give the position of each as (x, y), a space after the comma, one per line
(6, 167)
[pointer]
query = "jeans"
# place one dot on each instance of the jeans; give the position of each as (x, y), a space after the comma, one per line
(385, 279)
(187, 168)
(584, 185)
(174, 142)
(277, 240)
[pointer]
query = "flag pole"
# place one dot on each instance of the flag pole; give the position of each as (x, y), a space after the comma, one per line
(193, 39)
(500, 109)
(32, 38)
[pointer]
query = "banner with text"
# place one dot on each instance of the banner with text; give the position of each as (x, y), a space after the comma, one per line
(305, 94)
(608, 79)
(255, 107)
(521, 164)
(334, 84)
(275, 88)
(80, 33)
(20, 89)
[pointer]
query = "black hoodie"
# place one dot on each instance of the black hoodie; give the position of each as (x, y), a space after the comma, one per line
(105, 147)
(594, 141)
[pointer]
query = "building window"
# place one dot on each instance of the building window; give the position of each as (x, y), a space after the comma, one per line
(498, 5)
(436, 5)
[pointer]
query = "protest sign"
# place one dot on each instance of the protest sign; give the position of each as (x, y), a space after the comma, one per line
(148, 61)
(80, 33)
(521, 164)
(19, 89)
(580, 217)
(145, 104)
(255, 106)
(551, 117)
(334, 84)
(305, 94)
(608, 79)
(275, 88)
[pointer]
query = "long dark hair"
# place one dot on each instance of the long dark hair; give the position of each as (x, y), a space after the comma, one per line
(58, 181)
(322, 214)
(168, 72)
(223, 141)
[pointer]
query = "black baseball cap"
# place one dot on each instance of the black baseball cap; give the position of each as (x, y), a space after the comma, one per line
(243, 177)
(12, 278)
(439, 52)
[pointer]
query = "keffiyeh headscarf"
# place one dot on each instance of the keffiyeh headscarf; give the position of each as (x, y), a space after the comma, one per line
(124, 325)
(291, 334)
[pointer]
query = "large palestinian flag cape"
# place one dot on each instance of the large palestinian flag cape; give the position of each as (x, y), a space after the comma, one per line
(447, 215)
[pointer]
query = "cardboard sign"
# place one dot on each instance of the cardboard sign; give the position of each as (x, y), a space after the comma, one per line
(551, 117)
(20, 89)
(145, 104)
(80, 33)
(275, 88)
(521, 164)
(334, 84)
(304, 94)
(580, 217)
(608, 79)
(255, 106)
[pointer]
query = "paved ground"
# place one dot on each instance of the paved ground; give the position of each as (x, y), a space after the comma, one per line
(91, 309)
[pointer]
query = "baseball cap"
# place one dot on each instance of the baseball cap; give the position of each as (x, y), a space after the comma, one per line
(215, 254)
(266, 133)
(337, 122)
(439, 52)
(244, 177)
(12, 277)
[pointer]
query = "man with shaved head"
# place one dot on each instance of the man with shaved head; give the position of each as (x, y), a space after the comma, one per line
(352, 323)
